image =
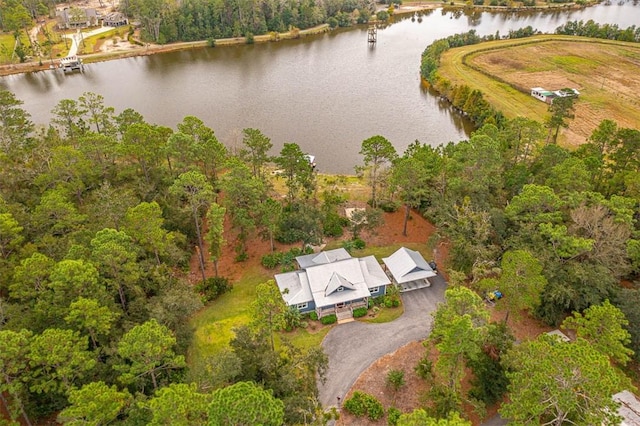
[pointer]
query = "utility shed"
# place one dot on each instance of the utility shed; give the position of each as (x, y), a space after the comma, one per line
(560, 335)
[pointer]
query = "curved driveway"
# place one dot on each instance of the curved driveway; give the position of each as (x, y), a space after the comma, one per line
(354, 346)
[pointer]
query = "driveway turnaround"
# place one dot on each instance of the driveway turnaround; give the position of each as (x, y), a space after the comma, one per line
(354, 346)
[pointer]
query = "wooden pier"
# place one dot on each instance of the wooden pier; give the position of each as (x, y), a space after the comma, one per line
(372, 34)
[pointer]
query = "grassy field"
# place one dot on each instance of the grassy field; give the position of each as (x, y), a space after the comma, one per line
(92, 44)
(7, 44)
(605, 72)
(214, 324)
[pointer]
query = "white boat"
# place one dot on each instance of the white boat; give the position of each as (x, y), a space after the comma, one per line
(311, 159)
(71, 63)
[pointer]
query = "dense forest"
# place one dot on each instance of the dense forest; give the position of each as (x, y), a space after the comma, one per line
(100, 212)
(99, 215)
(166, 21)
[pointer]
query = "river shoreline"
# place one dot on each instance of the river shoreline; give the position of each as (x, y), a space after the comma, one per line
(152, 49)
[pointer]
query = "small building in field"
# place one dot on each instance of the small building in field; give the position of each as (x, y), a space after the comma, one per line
(409, 269)
(547, 96)
(332, 282)
(542, 94)
(115, 19)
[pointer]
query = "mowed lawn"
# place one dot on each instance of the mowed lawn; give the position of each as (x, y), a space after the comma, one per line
(604, 71)
(213, 325)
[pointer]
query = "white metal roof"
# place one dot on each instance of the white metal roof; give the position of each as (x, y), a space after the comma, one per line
(408, 265)
(337, 280)
(559, 334)
(374, 276)
(323, 257)
(294, 287)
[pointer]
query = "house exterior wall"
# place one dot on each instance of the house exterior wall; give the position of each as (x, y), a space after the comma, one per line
(82, 19)
(115, 23)
(382, 290)
(311, 306)
(115, 19)
(540, 94)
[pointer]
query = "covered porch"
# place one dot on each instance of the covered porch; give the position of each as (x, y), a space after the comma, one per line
(339, 309)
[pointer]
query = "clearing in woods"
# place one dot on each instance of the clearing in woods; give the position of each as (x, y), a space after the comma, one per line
(604, 71)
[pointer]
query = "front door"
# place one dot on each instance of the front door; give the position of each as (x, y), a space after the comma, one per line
(340, 305)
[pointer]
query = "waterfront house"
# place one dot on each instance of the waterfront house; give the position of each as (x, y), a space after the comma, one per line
(73, 18)
(332, 282)
(115, 19)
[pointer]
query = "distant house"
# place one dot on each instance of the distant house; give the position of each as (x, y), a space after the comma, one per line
(115, 19)
(629, 408)
(629, 405)
(409, 269)
(547, 96)
(332, 282)
(73, 18)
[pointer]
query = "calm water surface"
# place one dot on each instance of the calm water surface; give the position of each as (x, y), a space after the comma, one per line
(326, 93)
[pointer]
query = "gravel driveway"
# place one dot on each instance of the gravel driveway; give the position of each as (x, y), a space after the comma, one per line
(354, 346)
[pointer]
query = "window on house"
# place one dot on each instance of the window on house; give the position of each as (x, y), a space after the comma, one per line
(302, 305)
(374, 289)
(340, 288)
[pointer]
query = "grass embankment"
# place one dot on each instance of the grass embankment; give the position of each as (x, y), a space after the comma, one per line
(605, 72)
(91, 53)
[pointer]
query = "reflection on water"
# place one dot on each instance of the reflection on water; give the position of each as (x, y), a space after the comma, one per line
(326, 92)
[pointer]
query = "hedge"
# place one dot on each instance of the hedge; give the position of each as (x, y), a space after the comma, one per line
(329, 319)
(359, 312)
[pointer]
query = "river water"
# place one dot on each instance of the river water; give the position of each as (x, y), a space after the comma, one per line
(326, 93)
